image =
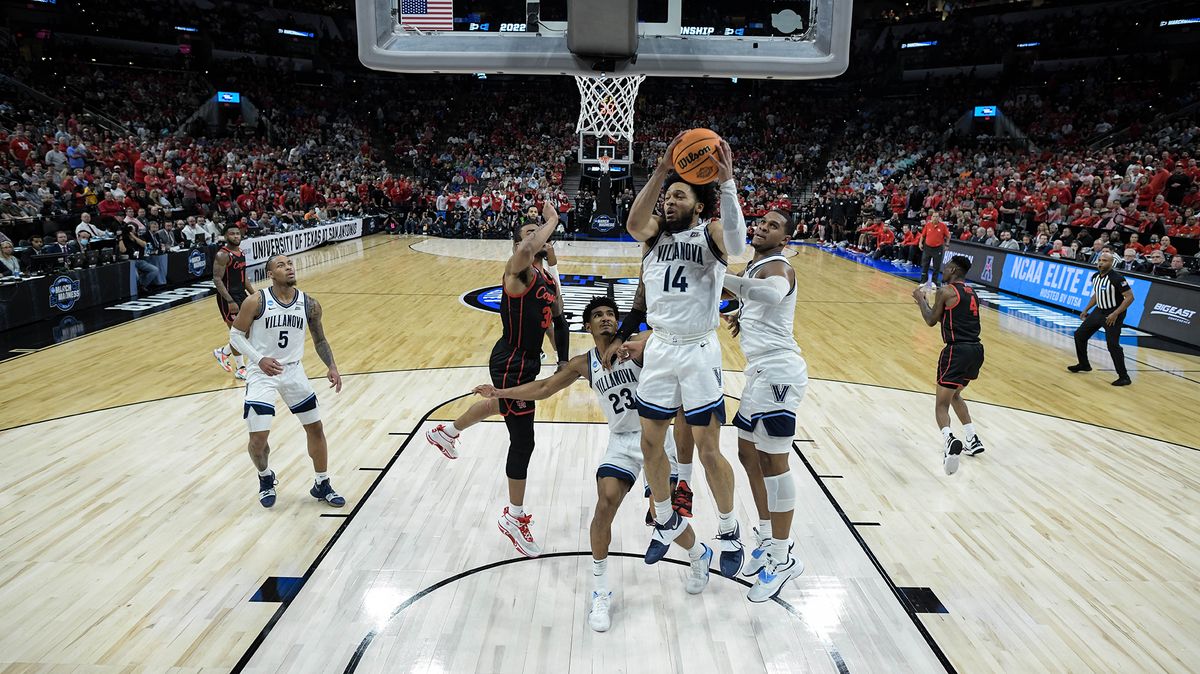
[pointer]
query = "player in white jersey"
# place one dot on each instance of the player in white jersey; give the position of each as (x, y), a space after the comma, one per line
(683, 265)
(616, 390)
(776, 379)
(269, 331)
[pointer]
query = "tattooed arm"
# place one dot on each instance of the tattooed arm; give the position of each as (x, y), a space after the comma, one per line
(312, 309)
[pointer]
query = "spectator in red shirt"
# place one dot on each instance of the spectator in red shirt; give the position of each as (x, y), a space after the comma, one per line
(1164, 244)
(988, 216)
(933, 241)
(885, 246)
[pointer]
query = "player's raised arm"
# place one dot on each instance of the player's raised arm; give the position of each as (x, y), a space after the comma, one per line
(933, 314)
(542, 388)
(642, 224)
(730, 231)
(524, 255)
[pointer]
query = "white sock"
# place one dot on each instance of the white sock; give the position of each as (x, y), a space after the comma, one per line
(764, 529)
(726, 524)
(969, 431)
(779, 549)
(662, 511)
(226, 350)
(685, 472)
(696, 551)
(321, 477)
(946, 433)
(452, 430)
(515, 511)
(264, 472)
(599, 577)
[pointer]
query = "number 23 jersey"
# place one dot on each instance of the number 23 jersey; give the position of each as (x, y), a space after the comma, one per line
(616, 390)
(683, 273)
(278, 330)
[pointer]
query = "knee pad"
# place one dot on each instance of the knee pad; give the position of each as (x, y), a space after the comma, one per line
(781, 493)
(520, 445)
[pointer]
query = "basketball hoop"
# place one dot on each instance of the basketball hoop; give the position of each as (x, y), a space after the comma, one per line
(606, 105)
(605, 160)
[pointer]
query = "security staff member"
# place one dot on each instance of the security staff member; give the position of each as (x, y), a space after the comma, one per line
(1111, 296)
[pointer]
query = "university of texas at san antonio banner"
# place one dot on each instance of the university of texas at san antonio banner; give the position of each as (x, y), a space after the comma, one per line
(260, 248)
(1159, 307)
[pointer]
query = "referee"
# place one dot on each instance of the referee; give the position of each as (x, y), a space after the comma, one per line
(1111, 295)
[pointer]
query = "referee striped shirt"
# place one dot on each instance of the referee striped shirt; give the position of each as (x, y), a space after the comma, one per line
(1108, 289)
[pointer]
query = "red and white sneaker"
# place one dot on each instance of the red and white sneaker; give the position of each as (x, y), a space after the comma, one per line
(223, 360)
(517, 531)
(445, 442)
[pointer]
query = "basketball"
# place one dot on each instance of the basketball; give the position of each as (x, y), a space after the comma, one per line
(695, 157)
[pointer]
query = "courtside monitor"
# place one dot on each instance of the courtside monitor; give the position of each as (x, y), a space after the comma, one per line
(783, 39)
(986, 111)
(229, 97)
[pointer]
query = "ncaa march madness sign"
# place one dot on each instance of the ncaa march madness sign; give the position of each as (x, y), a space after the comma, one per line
(577, 291)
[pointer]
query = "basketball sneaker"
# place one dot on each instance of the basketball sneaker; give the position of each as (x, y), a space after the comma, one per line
(598, 616)
(517, 531)
(954, 447)
(223, 360)
(240, 373)
(445, 442)
(973, 447)
(758, 557)
(660, 539)
(681, 499)
(323, 491)
(773, 576)
(732, 551)
(266, 489)
(650, 510)
(698, 575)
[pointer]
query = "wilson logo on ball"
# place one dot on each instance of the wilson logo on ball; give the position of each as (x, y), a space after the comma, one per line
(693, 157)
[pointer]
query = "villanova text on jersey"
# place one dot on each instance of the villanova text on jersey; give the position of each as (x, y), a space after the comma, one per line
(284, 321)
(615, 378)
(670, 251)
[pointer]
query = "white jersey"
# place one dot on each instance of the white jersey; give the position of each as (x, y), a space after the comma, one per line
(683, 273)
(616, 390)
(278, 331)
(766, 329)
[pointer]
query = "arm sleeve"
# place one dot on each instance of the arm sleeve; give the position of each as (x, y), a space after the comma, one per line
(241, 343)
(771, 290)
(733, 225)
(630, 325)
(562, 338)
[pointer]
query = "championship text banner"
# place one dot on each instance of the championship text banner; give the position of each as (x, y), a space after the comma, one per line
(259, 249)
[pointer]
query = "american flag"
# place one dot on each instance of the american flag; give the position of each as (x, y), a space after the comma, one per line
(427, 14)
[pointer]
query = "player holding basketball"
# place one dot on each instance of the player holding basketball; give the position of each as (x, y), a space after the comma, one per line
(528, 308)
(956, 306)
(270, 331)
(776, 379)
(229, 277)
(683, 268)
(615, 388)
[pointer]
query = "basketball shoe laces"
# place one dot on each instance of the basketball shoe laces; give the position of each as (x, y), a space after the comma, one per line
(523, 523)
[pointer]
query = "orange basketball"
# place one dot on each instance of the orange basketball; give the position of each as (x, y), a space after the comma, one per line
(695, 157)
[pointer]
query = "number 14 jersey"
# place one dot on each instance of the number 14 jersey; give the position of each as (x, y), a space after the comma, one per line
(683, 273)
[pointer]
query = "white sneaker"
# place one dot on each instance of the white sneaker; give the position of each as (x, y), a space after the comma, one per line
(517, 531)
(758, 557)
(773, 577)
(445, 442)
(223, 360)
(974, 447)
(599, 617)
(950, 455)
(698, 575)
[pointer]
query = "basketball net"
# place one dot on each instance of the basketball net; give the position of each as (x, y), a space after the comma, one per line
(606, 105)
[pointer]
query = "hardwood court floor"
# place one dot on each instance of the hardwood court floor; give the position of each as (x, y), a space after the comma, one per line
(130, 540)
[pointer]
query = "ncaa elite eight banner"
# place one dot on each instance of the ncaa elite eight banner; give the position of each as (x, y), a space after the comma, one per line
(259, 249)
